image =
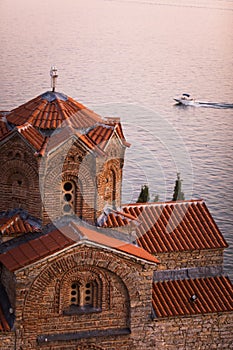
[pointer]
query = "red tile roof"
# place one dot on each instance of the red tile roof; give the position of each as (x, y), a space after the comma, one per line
(34, 250)
(15, 225)
(4, 326)
(101, 134)
(102, 239)
(38, 248)
(33, 136)
(50, 110)
(95, 139)
(4, 130)
(64, 134)
(171, 226)
(29, 133)
(173, 298)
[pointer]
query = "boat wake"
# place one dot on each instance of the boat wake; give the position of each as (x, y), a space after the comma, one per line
(220, 105)
(185, 100)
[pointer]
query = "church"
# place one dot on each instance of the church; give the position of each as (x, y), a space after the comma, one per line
(79, 269)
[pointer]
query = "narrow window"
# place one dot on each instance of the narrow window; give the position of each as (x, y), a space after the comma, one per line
(88, 294)
(68, 198)
(75, 294)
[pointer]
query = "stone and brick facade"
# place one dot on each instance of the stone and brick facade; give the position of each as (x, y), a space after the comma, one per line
(80, 271)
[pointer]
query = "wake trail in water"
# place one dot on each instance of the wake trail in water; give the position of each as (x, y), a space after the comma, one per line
(192, 103)
(208, 6)
(213, 104)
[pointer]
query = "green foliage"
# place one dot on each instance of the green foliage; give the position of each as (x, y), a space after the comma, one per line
(178, 194)
(144, 195)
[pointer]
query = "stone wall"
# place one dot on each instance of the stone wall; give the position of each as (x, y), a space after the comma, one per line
(19, 181)
(70, 162)
(97, 179)
(7, 340)
(202, 332)
(109, 175)
(193, 272)
(42, 289)
(190, 259)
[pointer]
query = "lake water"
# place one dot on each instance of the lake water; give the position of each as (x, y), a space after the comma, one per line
(129, 59)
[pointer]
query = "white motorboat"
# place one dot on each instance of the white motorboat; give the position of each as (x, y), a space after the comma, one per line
(185, 99)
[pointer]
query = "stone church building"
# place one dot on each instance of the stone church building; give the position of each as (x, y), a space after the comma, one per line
(79, 270)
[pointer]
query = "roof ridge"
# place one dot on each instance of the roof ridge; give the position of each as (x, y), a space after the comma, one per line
(10, 221)
(153, 204)
(24, 126)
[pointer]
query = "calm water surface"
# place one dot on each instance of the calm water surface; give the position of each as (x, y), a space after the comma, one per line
(130, 58)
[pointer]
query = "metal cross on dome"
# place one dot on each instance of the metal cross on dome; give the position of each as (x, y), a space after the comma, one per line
(53, 75)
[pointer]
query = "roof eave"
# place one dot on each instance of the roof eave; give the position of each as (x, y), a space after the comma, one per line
(88, 243)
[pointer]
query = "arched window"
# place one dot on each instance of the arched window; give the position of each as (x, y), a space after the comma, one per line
(75, 294)
(82, 292)
(113, 178)
(110, 187)
(19, 184)
(88, 294)
(84, 296)
(68, 197)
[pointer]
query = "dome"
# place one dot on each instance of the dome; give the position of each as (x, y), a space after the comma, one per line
(49, 110)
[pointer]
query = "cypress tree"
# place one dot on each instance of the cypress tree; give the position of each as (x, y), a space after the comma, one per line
(144, 195)
(178, 194)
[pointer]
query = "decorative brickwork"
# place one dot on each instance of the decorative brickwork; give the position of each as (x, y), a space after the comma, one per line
(71, 287)
(97, 179)
(199, 332)
(7, 340)
(189, 259)
(19, 180)
(48, 292)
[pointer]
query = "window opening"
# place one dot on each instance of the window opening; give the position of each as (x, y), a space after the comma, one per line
(68, 198)
(74, 295)
(81, 295)
(88, 295)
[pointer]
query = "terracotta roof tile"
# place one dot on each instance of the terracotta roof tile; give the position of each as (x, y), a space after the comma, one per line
(100, 134)
(16, 225)
(172, 226)
(50, 109)
(33, 250)
(64, 134)
(112, 242)
(174, 298)
(32, 135)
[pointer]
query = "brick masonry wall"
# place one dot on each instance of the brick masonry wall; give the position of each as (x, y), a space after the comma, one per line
(35, 184)
(203, 332)
(190, 259)
(126, 302)
(98, 179)
(19, 182)
(69, 163)
(7, 340)
(109, 175)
